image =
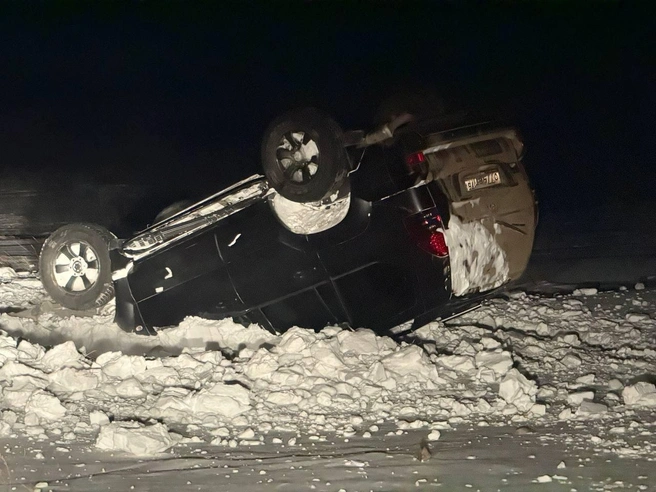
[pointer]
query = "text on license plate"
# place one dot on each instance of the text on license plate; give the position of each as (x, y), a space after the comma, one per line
(482, 181)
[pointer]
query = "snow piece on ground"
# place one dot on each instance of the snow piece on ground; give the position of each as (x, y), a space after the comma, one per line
(62, 355)
(139, 441)
(500, 362)
(361, 341)
(571, 361)
(227, 400)
(44, 406)
(585, 292)
(22, 388)
(411, 424)
(465, 348)
(355, 464)
(70, 380)
(119, 366)
(615, 385)
(247, 434)
(98, 418)
(5, 429)
(434, 435)
(459, 363)
(411, 361)
(261, 365)
(225, 333)
(640, 394)
(575, 399)
(590, 408)
(177, 405)
(29, 352)
(587, 379)
(546, 393)
(7, 274)
(21, 292)
(11, 369)
(637, 318)
(159, 375)
(516, 390)
(490, 343)
(295, 341)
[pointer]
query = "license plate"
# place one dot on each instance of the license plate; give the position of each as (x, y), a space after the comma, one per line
(483, 180)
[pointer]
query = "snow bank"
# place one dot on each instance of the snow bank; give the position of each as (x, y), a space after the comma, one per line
(483, 367)
(98, 334)
(333, 380)
(19, 292)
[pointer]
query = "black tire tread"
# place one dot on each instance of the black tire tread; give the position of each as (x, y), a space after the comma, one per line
(334, 163)
(103, 295)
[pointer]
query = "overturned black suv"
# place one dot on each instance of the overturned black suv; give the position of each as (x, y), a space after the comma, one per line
(413, 221)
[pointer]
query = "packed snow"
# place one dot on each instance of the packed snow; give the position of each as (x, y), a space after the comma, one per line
(311, 217)
(477, 261)
(585, 360)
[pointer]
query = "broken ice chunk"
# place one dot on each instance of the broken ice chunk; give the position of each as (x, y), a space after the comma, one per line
(141, 441)
(516, 390)
(642, 393)
(576, 399)
(590, 407)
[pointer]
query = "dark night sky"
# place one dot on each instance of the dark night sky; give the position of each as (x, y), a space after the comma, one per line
(178, 95)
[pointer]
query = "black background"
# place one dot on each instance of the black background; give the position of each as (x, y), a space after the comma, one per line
(175, 97)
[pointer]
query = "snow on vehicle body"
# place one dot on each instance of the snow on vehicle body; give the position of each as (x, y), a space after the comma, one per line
(419, 227)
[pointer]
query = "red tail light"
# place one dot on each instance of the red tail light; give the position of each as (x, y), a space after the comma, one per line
(427, 230)
(413, 161)
(437, 244)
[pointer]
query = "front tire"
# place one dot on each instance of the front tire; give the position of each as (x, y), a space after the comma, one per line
(303, 156)
(75, 267)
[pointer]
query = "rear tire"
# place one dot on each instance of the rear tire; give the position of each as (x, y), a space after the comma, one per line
(75, 267)
(303, 156)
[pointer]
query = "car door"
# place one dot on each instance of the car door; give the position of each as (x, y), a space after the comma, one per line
(370, 266)
(187, 278)
(275, 272)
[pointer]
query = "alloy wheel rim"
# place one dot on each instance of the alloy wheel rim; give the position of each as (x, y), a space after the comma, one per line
(298, 157)
(76, 267)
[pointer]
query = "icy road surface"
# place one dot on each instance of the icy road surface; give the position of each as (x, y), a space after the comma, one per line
(525, 393)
